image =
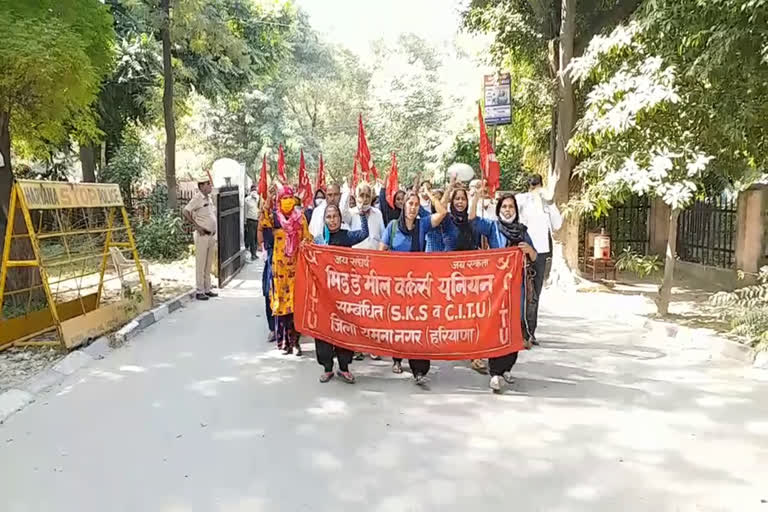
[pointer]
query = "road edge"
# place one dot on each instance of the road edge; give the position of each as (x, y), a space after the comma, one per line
(15, 399)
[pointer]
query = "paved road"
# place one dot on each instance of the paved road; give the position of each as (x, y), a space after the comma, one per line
(198, 414)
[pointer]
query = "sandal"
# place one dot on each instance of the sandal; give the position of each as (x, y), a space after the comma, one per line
(397, 368)
(479, 366)
(508, 378)
(272, 337)
(325, 377)
(421, 380)
(346, 377)
(359, 356)
(375, 357)
(288, 350)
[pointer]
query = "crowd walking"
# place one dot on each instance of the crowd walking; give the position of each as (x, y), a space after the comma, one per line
(419, 219)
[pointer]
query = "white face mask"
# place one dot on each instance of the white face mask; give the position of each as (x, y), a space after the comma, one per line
(255, 195)
(505, 218)
(365, 208)
(318, 201)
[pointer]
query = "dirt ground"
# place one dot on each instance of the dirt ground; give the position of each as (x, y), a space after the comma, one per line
(690, 304)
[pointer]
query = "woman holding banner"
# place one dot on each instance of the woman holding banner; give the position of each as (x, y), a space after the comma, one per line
(510, 232)
(408, 234)
(334, 235)
(462, 231)
(289, 227)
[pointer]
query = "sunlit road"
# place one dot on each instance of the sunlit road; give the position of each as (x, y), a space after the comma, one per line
(199, 413)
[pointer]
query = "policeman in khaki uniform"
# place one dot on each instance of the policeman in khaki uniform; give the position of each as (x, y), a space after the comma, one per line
(201, 212)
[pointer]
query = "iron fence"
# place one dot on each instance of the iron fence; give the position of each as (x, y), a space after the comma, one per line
(706, 232)
(628, 225)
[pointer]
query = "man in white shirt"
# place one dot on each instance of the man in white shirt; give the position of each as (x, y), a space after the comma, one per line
(351, 216)
(252, 210)
(542, 219)
(332, 196)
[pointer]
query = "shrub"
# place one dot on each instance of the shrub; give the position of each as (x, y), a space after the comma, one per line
(642, 266)
(747, 310)
(162, 237)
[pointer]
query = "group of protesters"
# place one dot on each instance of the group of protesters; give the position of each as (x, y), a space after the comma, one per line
(419, 219)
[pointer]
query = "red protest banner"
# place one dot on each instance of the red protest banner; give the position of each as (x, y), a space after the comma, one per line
(458, 305)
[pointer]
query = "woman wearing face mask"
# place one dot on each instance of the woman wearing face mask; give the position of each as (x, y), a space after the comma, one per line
(334, 235)
(407, 234)
(289, 228)
(510, 232)
(319, 197)
(461, 232)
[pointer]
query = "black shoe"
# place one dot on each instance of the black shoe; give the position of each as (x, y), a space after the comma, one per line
(535, 341)
(212, 294)
(201, 296)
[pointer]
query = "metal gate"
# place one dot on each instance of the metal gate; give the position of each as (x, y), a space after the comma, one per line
(628, 225)
(231, 258)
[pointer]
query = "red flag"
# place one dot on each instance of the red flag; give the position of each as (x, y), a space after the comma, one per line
(363, 153)
(355, 177)
(488, 164)
(392, 184)
(320, 181)
(304, 189)
(375, 172)
(263, 185)
(281, 166)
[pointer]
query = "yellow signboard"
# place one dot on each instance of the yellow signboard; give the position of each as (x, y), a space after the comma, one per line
(48, 195)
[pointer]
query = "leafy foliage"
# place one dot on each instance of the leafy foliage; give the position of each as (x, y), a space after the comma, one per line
(747, 309)
(54, 55)
(640, 265)
(660, 117)
(465, 150)
(162, 237)
(128, 164)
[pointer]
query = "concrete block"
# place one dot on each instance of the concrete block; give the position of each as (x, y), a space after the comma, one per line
(145, 320)
(73, 362)
(43, 381)
(761, 360)
(734, 350)
(160, 312)
(98, 349)
(127, 332)
(13, 400)
(174, 305)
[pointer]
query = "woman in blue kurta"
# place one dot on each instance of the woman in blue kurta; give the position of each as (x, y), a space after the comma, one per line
(334, 235)
(407, 234)
(509, 232)
(462, 232)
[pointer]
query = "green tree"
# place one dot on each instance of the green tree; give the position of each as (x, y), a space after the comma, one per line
(215, 47)
(658, 119)
(408, 111)
(543, 36)
(312, 103)
(53, 57)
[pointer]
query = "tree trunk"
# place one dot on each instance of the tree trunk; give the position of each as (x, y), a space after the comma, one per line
(566, 110)
(88, 162)
(665, 290)
(170, 123)
(565, 258)
(6, 176)
(20, 277)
